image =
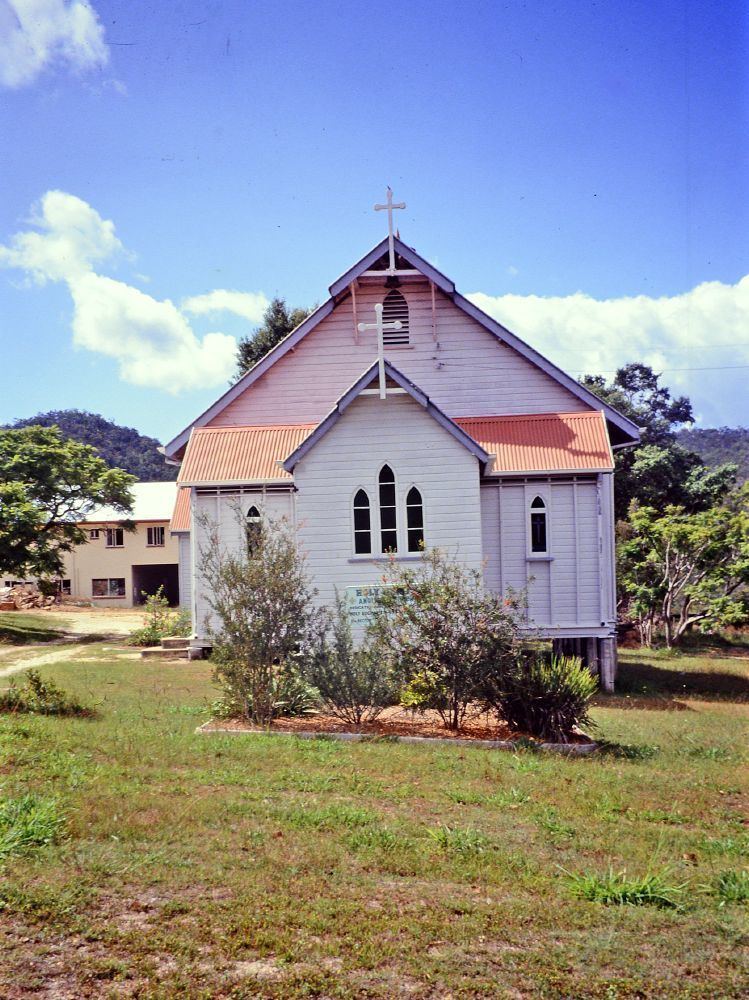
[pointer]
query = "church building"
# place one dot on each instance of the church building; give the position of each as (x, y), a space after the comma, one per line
(399, 417)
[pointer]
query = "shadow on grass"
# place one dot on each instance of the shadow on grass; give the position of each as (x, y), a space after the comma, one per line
(25, 631)
(647, 682)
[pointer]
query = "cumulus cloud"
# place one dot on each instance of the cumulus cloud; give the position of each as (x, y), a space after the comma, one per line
(151, 339)
(248, 305)
(583, 334)
(36, 34)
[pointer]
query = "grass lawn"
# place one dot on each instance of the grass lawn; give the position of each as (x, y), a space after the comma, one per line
(153, 862)
(19, 629)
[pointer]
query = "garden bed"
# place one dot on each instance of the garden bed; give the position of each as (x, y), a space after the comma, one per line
(400, 725)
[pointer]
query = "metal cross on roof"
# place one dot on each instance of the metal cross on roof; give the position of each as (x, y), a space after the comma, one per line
(388, 207)
(380, 327)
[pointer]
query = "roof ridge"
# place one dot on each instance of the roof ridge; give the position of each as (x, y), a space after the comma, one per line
(553, 414)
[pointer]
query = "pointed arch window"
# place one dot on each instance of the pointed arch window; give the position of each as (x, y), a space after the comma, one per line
(253, 530)
(539, 529)
(414, 520)
(362, 524)
(395, 307)
(388, 515)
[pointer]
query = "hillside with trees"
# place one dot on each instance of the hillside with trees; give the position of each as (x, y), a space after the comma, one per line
(120, 447)
(718, 445)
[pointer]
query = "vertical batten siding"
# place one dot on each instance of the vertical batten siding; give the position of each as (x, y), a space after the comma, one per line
(185, 572)
(221, 510)
(565, 591)
(371, 433)
(466, 371)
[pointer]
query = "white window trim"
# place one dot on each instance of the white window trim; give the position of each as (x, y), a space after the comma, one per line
(423, 519)
(531, 493)
(356, 556)
(155, 545)
(120, 545)
(377, 550)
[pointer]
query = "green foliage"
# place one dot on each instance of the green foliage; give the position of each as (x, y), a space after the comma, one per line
(661, 471)
(719, 446)
(39, 697)
(679, 569)
(17, 629)
(160, 622)
(262, 602)
(443, 636)
(120, 447)
(353, 684)
(46, 485)
(28, 823)
(290, 694)
(615, 888)
(546, 696)
(278, 322)
(454, 840)
(732, 886)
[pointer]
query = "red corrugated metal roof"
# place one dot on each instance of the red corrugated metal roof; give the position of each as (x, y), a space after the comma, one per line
(543, 442)
(240, 454)
(181, 514)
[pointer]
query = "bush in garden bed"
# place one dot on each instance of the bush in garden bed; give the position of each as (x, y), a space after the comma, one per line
(160, 622)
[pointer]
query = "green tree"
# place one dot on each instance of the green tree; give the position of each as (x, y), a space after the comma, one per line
(661, 471)
(278, 322)
(680, 569)
(47, 484)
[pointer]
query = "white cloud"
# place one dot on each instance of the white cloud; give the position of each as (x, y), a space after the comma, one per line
(151, 339)
(35, 34)
(583, 334)
(249, 305)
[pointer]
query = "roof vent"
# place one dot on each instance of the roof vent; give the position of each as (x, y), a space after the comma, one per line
(394, 308)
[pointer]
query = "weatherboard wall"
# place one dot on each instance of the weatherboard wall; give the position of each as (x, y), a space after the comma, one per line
(456, 361)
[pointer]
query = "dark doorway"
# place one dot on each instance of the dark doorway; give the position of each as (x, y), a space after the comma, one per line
(148, 579)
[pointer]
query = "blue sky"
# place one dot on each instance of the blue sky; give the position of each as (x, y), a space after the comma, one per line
(580, 168)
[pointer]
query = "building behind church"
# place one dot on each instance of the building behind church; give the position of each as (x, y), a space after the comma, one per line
(463, 438)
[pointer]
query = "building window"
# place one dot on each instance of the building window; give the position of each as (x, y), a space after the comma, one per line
(115, 538)
(155, 536)
(414, 520)
(362, 524)
(253, 530)
(113, 587)
(93, 534)
(395, 308)
(388, 520)
(65, 587)
(539, 541)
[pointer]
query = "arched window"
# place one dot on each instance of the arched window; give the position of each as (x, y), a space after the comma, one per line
(414, 520)
(539, 540)
(395, 308)
(253, 530)
(388, 521)
(362, 524)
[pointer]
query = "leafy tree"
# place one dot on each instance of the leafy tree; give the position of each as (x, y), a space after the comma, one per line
(683, 569)
(47, 484)
(278, 322)
(660, 471)
(719, 445)
(120, 447)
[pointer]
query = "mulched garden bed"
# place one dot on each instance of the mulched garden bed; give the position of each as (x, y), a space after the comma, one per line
(400, 724)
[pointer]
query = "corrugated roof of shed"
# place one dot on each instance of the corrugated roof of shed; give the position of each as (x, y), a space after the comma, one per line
(240, 454)
(151, 502)
(543, 442)
(181, 514)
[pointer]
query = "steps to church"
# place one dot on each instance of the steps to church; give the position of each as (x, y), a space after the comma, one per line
(171, 648)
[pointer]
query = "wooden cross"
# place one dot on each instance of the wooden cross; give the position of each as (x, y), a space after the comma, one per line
(380, 327)
(388, 207)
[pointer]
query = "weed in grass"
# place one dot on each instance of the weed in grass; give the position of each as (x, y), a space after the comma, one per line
(615, 888)
(511, 797)
(731, 886)
(525, 763)
(550, 822)
(464, 797)
(725, 845)
(375, 839)
(28, 823)
(328, 817)
(39, 697)
(672, 818)
(454, 840)
(628, 751)
(41, 904)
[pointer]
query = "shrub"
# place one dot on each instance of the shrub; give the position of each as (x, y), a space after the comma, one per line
(27, 823)
(160, 622)
(353, 685)
(39, 697)
(545, 696)
(615, 888)
(262, 600)
(447, 640)
(291, 695)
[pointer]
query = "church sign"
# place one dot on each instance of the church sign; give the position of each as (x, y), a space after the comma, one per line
(360, 602)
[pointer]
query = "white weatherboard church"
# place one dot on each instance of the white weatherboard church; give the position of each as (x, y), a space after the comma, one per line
(397, 417)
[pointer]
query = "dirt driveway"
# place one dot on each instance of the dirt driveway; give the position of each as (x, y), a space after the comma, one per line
(95, 621)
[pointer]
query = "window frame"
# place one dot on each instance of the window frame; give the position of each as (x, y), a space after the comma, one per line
(151, 531)
(531, 496)
(253, 527)
(396, 530)
(109, 580)
(93, 534)
(371, 531)
(409, 551)
(115, 545)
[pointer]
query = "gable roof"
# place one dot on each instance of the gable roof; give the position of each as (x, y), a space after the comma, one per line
(626, 429)
(363, 382)
(229, 455)
(151, 502)
(543, 442)
(181, 514)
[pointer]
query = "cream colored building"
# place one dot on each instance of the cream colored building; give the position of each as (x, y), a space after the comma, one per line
(127, 557)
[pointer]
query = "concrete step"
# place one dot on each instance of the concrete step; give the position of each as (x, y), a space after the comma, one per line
(158, 653)
(175, 642)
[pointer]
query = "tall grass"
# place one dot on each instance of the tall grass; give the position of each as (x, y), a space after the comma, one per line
(615, 888)
(28, 823)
